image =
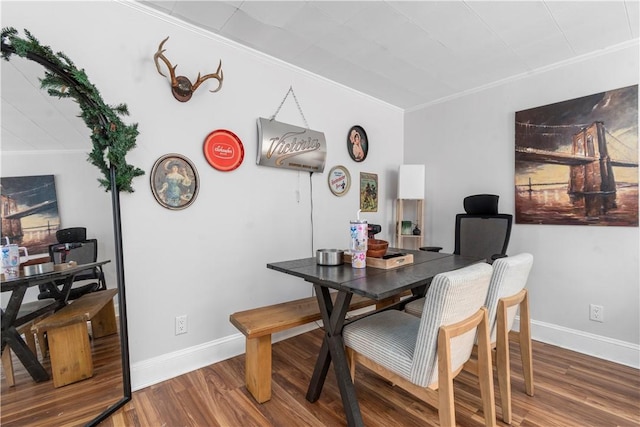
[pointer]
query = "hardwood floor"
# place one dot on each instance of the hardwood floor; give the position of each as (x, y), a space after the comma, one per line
(571, 389)
(41, 404)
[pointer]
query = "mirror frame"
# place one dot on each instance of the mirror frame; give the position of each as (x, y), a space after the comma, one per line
(117, 230)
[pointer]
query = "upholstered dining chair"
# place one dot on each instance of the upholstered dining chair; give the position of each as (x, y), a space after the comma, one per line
(506, 294)
(423, 355)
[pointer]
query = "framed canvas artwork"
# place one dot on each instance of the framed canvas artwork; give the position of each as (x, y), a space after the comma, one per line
(30, 212)
(576, 161)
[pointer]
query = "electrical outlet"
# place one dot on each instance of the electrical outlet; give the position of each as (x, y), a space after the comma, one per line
(181, 324)
(596, 313)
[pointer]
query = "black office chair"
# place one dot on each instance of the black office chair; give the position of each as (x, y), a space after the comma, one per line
(74, 246)
(481, 231)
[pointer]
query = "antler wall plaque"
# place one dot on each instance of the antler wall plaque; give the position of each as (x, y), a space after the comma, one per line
(181, 86)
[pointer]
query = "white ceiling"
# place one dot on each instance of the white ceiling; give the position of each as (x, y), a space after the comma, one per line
(406, 53)
(412, 53)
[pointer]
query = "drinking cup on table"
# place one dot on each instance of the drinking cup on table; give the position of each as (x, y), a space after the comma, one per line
(10, 261)
(358, 259)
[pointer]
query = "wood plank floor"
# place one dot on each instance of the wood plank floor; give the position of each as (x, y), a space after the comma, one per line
(41, 404)
(571, 389)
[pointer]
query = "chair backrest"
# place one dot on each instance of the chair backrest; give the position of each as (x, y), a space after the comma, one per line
(86, 251)
(82, 252)
(481, 204)
(481, 231)
(509, 277)
(72, 234)
(485, 236)
(452, 297)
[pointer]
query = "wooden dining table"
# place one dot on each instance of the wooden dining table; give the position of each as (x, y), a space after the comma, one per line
(17, 312)
(375, 283)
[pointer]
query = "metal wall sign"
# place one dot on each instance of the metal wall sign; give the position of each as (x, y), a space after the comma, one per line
(285, 146)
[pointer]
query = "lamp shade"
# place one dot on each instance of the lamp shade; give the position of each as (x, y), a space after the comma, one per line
(411, 182)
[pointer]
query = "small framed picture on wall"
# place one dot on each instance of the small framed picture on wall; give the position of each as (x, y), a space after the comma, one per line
(339, 180)
(357, 143)
(368, 192)
(174, 181)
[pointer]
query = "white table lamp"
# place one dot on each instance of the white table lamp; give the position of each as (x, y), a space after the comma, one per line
(411, 182)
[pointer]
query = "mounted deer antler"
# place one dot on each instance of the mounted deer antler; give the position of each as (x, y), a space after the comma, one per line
(181, 86)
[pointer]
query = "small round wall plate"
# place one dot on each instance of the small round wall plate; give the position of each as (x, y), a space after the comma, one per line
(357, 143)
(339, 180)
(174, 181)
(223, 150)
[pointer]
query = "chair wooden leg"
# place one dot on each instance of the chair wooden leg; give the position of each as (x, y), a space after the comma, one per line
(525, 344)
(503, 362)
(485, 372)
(446, 403)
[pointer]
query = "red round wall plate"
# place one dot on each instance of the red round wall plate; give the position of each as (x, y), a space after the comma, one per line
(223, 150)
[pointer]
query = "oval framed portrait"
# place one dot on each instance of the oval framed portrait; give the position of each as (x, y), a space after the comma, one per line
(357, 143)
(174, 181)
(339, 180)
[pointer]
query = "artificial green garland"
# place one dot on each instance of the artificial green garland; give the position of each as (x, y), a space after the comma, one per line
(111, 138)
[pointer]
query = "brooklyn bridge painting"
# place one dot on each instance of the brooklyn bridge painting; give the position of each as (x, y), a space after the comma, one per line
(576, 161)
(29, 212)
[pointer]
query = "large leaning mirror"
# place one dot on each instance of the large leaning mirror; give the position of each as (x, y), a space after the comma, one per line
(32, 123)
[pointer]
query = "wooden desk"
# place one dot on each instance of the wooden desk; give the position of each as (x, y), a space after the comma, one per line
(377, 284)
(10, 320)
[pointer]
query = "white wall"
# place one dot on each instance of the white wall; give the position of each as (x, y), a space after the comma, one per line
(467, 145)
(208, 260)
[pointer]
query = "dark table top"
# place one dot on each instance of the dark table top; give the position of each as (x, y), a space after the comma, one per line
(37, 279)
(376, 283)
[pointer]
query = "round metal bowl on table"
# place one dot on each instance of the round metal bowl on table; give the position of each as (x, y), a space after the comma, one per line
(45, 267)
(329, 257)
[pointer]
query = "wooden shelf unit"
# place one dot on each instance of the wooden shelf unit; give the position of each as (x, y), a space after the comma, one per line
(409, 210)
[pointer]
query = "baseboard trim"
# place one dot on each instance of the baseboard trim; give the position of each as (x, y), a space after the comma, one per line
(613, 350)
(170, 365)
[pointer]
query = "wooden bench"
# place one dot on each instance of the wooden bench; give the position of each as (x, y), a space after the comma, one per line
(68, 338)
(259, 323)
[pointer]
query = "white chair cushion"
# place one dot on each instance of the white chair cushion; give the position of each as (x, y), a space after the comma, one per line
(388, 338)
(509, 277)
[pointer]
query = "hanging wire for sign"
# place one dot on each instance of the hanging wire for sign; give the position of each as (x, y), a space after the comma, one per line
(290, 91)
